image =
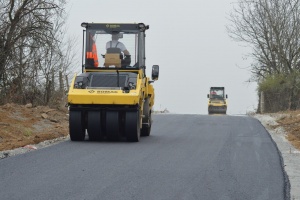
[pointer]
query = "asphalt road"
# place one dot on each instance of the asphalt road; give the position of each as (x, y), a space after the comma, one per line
(186, 157)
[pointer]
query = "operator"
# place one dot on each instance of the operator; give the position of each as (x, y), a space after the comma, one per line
(213, 94)
(114, 43)
(91, 54)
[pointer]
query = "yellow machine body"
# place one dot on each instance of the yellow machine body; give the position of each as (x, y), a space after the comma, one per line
(113, 100)
(217, 100)
(111, 96)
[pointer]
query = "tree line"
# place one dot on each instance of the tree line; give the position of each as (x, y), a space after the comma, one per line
(35, 55)
(272, 29)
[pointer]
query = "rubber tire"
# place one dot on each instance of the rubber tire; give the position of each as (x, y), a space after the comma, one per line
(132, 126)
(94, 125)
(146, 128)
(112, 125)
(76, 126)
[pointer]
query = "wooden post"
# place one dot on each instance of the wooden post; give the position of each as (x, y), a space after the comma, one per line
(52, 82)
(61, 83)
(262, 102)
(67, 82)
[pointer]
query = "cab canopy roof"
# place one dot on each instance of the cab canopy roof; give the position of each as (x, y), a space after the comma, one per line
(217, 88)
(115, 27)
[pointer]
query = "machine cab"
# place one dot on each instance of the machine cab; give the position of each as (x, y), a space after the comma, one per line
(217, 93)
(114, 45)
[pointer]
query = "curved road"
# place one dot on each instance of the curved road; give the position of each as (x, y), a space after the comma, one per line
(186, 157)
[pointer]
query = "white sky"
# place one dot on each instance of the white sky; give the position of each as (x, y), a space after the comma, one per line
(188, 40)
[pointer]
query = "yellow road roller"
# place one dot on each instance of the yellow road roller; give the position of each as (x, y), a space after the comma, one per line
(217, 100)
(112, 98)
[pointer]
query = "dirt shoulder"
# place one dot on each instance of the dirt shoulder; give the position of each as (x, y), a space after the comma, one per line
(290, 121)
(22, 125)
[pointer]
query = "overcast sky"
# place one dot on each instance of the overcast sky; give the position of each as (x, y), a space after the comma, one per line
(188, 40)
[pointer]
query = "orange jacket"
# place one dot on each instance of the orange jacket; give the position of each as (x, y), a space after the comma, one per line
(93, 55)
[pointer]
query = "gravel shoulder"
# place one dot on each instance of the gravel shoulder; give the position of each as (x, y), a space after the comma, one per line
(290, 155)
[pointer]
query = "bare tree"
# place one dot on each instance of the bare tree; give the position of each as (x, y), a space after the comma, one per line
(272, 29)
(57, 63)
(32, 49)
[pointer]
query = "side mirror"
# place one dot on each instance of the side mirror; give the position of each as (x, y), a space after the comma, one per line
(226, 96)
(207, 95)
(155, 72)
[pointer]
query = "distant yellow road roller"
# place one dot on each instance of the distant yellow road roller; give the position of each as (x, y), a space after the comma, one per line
(217, 100)
(112, 98)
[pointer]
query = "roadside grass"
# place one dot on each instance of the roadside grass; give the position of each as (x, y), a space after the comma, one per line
(290, 121)
(27, 132)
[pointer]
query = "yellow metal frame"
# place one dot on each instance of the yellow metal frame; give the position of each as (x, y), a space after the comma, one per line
(113, 97)
(213, 103)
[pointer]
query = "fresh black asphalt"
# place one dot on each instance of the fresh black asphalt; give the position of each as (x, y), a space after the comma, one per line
(185, 157)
